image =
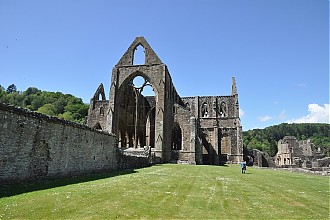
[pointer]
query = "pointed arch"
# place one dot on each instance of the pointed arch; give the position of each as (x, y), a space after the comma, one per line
(139, 56)
(101, 111)
(97, 126)
(151, 57)
(204, 109)
(99, 92)
(176, 137)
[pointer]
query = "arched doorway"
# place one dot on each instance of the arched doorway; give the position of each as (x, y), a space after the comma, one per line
(176, 142)
(176, 137)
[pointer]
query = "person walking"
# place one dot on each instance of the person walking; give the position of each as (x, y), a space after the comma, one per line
(243, 166)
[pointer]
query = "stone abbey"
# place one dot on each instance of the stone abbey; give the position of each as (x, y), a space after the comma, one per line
(193, 130)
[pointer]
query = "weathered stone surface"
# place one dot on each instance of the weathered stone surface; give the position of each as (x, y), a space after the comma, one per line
(35, 146)
(294, 153)
(194, 130)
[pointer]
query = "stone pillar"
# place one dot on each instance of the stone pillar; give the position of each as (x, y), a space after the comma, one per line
(216, 144)
(193, 151)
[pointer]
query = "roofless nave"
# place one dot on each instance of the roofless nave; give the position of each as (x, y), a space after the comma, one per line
(195, 130)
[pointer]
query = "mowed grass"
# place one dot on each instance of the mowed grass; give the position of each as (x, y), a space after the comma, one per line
(172, 191)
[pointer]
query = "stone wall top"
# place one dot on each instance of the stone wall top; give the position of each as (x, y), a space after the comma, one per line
(36, 115)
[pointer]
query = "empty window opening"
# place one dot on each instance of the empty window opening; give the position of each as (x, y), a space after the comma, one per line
(205, 110)
(223, 110)
(139, 56)
(176, 137)
(98, 126)
(138, 81)
(145, 88)
(101, 111)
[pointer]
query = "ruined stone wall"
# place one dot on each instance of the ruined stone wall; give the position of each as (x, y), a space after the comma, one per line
(214, 120)
(188, 128)
(36, 146)
(306, 147)
(97, 114)
(292, 152)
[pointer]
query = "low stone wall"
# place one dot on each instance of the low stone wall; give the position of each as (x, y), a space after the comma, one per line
(321, 171)
(34, 146)
(323, 162)
(131, 158)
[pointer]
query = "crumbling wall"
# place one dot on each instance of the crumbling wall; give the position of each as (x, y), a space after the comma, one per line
(324, 162)
(133, 158)
(98, 110)
(294, 153)
(187, 124)
(35, 146)
(262, 159)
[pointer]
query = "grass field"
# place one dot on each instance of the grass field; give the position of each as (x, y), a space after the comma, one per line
(173, 192)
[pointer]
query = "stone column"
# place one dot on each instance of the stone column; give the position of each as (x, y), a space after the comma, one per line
(216, 143)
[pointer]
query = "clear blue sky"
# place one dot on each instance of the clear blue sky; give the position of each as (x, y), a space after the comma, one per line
(278, 50)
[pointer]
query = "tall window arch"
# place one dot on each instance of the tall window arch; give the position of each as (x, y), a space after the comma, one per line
(176, 137)
(204, 110)
(101, 111)
(139, 56)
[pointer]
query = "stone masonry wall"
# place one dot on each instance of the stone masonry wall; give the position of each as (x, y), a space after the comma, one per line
(188, 129)
(34, 146)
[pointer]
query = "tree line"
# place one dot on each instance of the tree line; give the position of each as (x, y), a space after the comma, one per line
(64, 106)
(266, 139)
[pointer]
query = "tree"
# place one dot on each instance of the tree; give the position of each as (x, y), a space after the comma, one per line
(37, 102)
(266, 139)
(2, 92)
(31, 91)
(47, 109)
(60, 105)
(11, 88)
(65, 106)
(66, 116)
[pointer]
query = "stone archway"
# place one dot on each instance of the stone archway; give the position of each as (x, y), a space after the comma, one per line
(123, 95)
(134, 114)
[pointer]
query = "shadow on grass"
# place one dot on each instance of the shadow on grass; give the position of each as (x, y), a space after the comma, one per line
(223, 165)
(16, 189)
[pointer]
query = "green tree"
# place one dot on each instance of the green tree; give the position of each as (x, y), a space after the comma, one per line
(66, 116)
(47, 109)
(65, 106)
(11, 88)
(31, 90)
(60, 105)
(37, 102)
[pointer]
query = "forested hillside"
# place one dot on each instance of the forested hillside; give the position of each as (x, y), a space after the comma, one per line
(57, 104)
(266, 139)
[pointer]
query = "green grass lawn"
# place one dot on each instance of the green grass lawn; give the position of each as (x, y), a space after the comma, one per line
(172, 191)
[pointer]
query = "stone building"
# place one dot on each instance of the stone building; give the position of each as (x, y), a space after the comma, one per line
(194, 130)
(292, 152)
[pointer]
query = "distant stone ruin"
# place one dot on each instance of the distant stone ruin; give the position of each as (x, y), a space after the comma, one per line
(193, 130)
(294, 153)
(300, 156)
(258, 158)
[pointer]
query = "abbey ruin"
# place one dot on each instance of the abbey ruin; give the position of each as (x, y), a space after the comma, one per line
(129, 130)
(294, 153)
(193, 130)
